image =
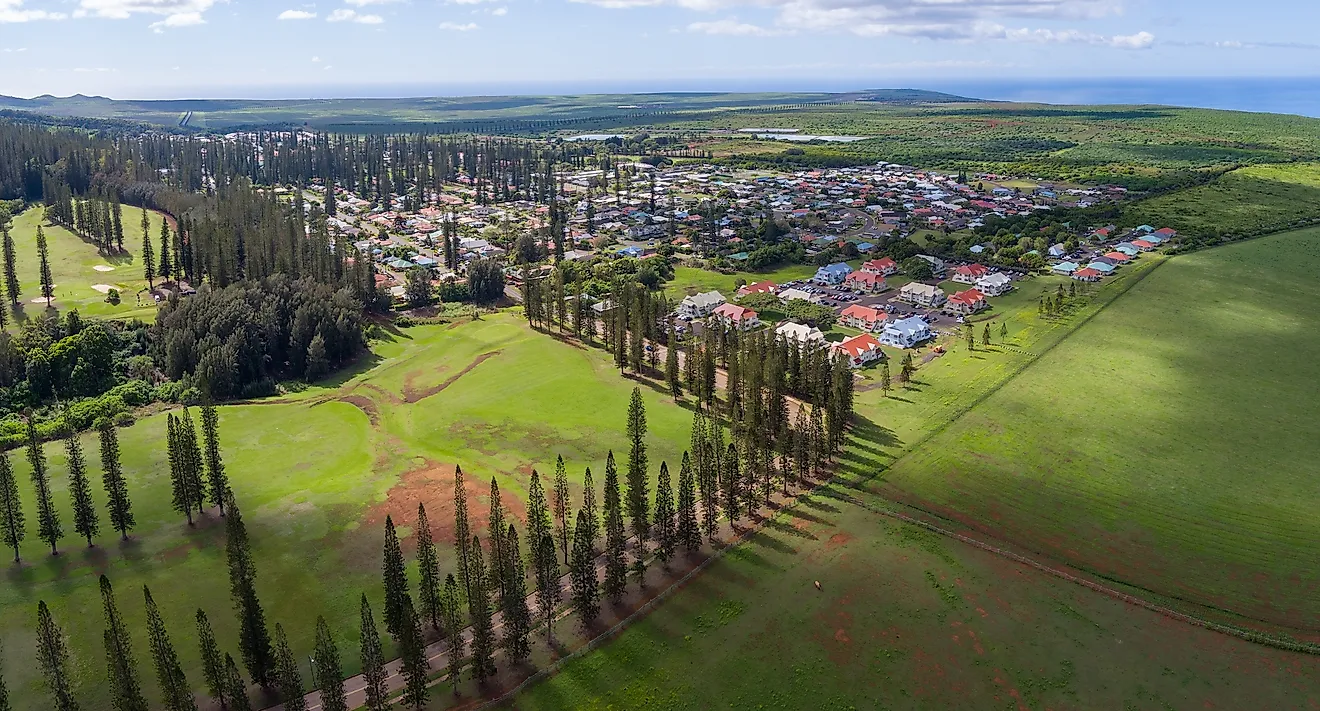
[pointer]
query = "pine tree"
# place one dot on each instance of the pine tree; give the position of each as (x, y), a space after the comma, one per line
(454, 630)
(638, 496)
(254, 638)
(513, 601)
(12, 289)
(414, 666)
(165, 270)
(181, 498)
(547, 584)
(121, 665)
(327, 673)
(237, 694)
(288, 680)
(43, 256)
(483, 632)
(48, 519)
(373, 661)
(216, 479)
(112, 479)
(538, 518)
(85, 521)
(582, 570)
(191, 456)
(174, 687)
(396, 581)
(616, 570)
(588, 510)
(213, 665)
(12, 523)
(4, 690)
(53, 658)
(665, 533)
(462, 532)
(148, 254)
(687, 530)
(428, 566)
(671, 366)
(563, 529)
(731, 484)
(495, 534)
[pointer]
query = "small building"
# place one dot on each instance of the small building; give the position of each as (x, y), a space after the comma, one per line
(1065, 268)
(863, 318)
(699, 305)
(1117, 257)
(832, 274)
(735, 316)
(966, 303)
(906, 333)
(760, 287)
(1086, 274)
(1143, 245)
(1058, 250)
(996, 284)
(865, 282)
(970, 273)
(802, 334)
(883, 266)
(788, 295)
(860, 350)
(923, 295)
(936, 264)
(1105, 268)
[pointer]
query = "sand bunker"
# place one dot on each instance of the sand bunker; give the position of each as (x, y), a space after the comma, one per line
(103, 288)
(103, 268)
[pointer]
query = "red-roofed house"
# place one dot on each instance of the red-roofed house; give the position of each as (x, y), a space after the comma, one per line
(1087, 274)
(736, 316)
(1118, 257)
(970, 273)
(760, 287)
(965, 303)
(1167, 232)
(860, 350)
(1143, 245)
(865, 282)
(863, 317)
(883, 266)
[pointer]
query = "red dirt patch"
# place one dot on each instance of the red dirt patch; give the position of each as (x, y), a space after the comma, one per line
(366, 405)
(838, 540)
(432, 484)
(412, 395)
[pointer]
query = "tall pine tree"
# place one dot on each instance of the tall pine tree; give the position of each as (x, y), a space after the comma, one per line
(414, 666)
(582, 570)
(538, 518)
(85, 521)
(43, 256)
(174, 687)
(13, 526)
(396, 581)
(288, 680)
(483, 632)
(253, 636)
(53, 659)
(213, 665)
(216, 480)
(638, 496)
(12, 288)
(495, 534)
(454, 629)
(113, 481)
(237, 695)
(373, 661)
(48, 519)
(665, 532)
(616, 569)
(148, 253)
(327, 672)
(121, 665)
(588, 514)
(428, 566)
(181, 496)
(687, 529)
(462, 531)
(563, 528)
(513, 601)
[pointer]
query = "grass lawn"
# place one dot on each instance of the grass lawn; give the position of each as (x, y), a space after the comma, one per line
(1251, 200)
(691, 280)
(1167, 445)
(316, 474)
(73, 263)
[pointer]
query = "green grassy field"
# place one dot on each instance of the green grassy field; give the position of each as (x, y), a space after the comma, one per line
(691, 280)
(1245, 202)
(316, 474)
(73, 265)
(1165, 445)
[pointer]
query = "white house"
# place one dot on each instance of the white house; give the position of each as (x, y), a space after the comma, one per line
(996, 284)
(905, 333)
(804, 335)
(700, 305)
(936, 264)
(924, 295)
(969, 273)
(788, 295)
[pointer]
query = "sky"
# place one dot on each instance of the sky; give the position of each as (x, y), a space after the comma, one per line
(298, 48)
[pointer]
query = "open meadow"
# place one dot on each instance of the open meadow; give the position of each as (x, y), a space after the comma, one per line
(1165, 445)
(316, 474)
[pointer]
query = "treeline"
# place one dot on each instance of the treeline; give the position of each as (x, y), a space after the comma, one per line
(240, 340)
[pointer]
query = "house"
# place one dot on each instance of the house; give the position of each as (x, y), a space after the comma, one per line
(788, 295)
(919, 294)
(860, 350)
(970, 273)
(735, 316)
(905, 333)
(883, 266)
(865, 282)
(804, 335)
(1086, 274)
(1117, 257)
(634, 252)
(833, 274)
(1143, 245)
(1058, 250)
(1166, 233)
(1065, 267)
(966, 303)
(994, 284)
(699, 305)
(760, 287)
(864, 318)
(936, 264)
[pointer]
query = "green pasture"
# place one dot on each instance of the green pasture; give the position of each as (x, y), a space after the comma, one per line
(1166, 445)
(1245, 202)
(315, 475)
(73, 263)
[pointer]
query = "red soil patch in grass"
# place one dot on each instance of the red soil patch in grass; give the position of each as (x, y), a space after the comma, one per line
(838, 540)
(413, 395)
(366, 405)
(432, 485)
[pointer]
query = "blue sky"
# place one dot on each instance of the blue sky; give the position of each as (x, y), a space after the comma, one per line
(271, 48)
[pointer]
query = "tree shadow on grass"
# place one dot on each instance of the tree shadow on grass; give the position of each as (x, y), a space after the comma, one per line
(797, 512)
(762, 538)
(789, 528)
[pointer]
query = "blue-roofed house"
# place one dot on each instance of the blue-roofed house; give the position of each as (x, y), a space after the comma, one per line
(397, 263)
(424, 262)
(1065, 267)
(832, 274)
(865, 246)
(1102, 267)
(1147, 229)
(905, 333)
(1058, 250)
(1127, 248)
(976, 249)
(630, 252)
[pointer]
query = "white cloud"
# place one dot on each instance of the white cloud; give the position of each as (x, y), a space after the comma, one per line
(500, 11)
(185, 10)
(13, 50)
(731, 26)
(93, 70)
(316, 60)
(455, 27)
(346, 15)
(364, 3)
(12, 11)
(296, 15)
(182, 19)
